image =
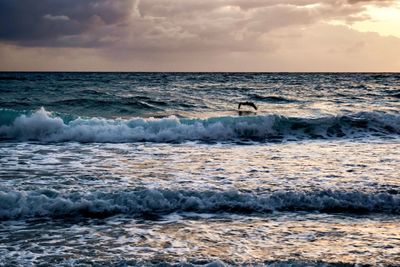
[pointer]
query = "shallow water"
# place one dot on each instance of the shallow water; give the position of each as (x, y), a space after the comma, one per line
(312, 178)
(279, 237)
(312, 165)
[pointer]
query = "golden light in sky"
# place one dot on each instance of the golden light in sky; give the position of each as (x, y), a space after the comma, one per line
(383, 20)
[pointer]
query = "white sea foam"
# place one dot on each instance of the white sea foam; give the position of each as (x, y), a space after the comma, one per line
(47, 203)
(42, 126)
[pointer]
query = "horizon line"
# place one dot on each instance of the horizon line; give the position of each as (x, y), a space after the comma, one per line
(156, 71)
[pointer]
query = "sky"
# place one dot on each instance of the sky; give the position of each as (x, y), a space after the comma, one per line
(200, 35)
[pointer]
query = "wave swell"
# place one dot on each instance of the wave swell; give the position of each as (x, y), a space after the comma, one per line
(142, 202)
(43, 126)
(271, 99)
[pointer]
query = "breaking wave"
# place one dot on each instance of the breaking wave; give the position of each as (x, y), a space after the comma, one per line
(144, 202)
(43, 126)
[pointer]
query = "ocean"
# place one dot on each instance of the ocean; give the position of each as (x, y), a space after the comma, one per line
(160, 169)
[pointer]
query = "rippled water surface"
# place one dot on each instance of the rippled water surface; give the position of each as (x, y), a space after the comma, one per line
(132, 169)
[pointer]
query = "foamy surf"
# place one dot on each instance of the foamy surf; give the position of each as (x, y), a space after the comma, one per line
(43, 126)
(316, 181)
(141, 202)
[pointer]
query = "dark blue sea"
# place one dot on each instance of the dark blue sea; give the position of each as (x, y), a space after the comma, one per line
(162, 169)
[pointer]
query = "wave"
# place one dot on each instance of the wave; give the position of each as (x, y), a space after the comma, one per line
(12, 78)
(271, 99)
(43, 126)
(132, 103)
(204, 262)
(397, 95)
(144, 202)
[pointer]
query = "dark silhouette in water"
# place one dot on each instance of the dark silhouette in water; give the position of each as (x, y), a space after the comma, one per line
(251, 104)
(244, 113)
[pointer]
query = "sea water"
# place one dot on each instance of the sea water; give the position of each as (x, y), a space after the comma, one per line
(132, 169)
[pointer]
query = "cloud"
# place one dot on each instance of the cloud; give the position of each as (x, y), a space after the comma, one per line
(162, 34)
(43, 22)
(59, 17)
(162, 24)
(376, 2)
(312, 49)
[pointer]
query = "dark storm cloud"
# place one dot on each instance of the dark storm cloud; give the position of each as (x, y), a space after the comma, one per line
(41, 22)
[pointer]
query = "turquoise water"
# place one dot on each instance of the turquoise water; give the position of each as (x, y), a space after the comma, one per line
(132, 169)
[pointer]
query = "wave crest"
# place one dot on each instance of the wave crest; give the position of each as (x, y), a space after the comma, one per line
(141, 202)
(43, 126)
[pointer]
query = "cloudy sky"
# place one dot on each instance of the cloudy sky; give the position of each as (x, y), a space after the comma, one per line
(200, 35)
